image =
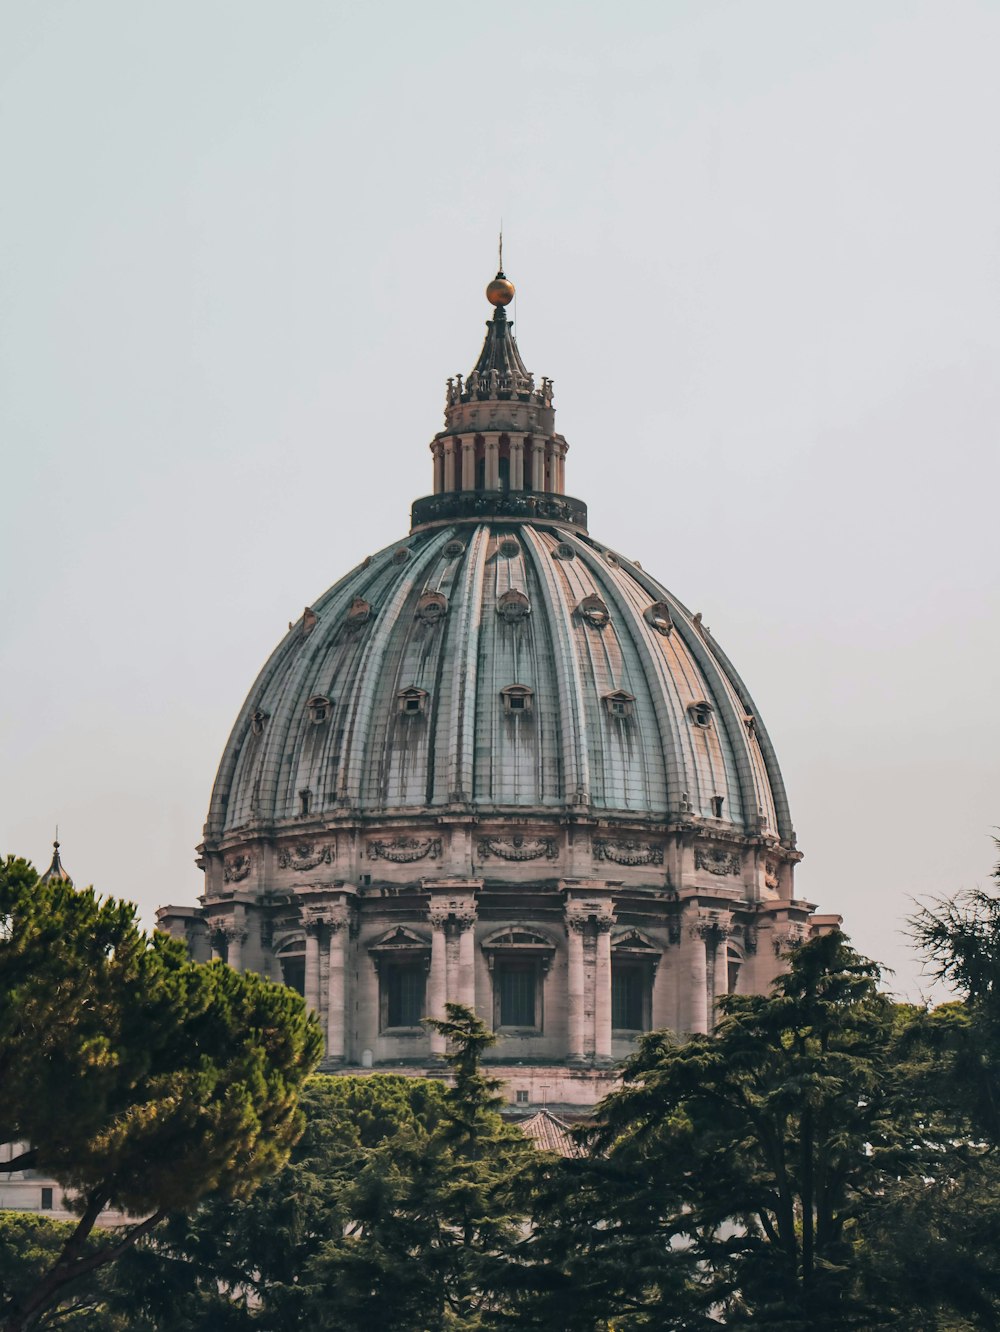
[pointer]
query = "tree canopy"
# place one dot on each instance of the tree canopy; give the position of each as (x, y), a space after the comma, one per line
(138, 1079)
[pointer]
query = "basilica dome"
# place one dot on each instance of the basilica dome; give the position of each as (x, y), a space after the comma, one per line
(499, 666)
(500, 764)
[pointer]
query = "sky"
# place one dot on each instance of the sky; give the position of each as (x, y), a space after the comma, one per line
(755, 246)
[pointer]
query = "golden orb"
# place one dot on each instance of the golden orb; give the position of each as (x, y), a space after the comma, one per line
(500, 291)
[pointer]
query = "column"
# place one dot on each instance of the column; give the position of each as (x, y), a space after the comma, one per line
(449, 465)
(312, 966)
(469, 464)
(235, 939)
(438, 457)
(602, 991)
(697, 1005)
(575, 926)
(537, 464)
(551, 458)
(493, 461)
(216, 926)
(560, 469)
(437, 982)
(336, 1008)
(467, 959)
(516, 462)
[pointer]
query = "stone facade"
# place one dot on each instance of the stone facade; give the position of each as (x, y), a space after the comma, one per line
(500, 764)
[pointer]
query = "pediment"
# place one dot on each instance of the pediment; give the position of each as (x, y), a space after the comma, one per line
(399, 937)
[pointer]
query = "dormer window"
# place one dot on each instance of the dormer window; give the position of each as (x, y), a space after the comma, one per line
(432, 607)
(412, 701)
(305, 803)
(657, 617)
(619, 703)
(564, 551)
(454, 549)
(401, 556)
(717, 803)
(594, 611)
(509, 548)
(319, 709)
(700, 713)
(258, 720)
(517, 699)
(513, 606)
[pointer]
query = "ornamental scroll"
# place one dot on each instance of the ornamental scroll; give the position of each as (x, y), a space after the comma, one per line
(517, 848)
(717, 862)
(405, 850)
(304, 856)
(627, 851)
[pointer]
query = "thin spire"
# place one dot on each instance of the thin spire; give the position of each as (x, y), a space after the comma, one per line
(501, 245)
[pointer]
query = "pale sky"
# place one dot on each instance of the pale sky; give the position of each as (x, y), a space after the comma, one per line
(755, 244)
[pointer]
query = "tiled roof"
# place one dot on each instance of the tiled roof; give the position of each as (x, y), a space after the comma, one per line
(550, 1134)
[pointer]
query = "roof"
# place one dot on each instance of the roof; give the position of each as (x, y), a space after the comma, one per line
(56, 871)
(550, 1134)
(631, 706)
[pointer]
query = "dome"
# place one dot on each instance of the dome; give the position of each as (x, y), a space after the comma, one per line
(504, 667)
(499, 764)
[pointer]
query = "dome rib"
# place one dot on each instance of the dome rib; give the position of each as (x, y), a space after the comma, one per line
(576, 763)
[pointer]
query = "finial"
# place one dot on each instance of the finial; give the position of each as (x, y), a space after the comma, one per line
(500, 291)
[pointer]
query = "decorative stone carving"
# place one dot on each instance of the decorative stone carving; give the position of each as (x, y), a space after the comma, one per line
(771, 875)
(517, 848)
(717, 861)
(627, 851)
(790, 937)
(359, 613)
(713, 925)
(236, 869)
(258, 720)
(459, 912)
(579, 913)
(405, 850)
(233, 933)
(513, 606)
(304, 856)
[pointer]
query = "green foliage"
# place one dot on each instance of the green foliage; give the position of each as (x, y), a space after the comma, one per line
(402, 1208)
(731, 1172)
(140, 1079)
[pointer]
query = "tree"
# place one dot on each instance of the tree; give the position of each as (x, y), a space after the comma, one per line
(141, 1080)
(402, 1207)
(731, 1175)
